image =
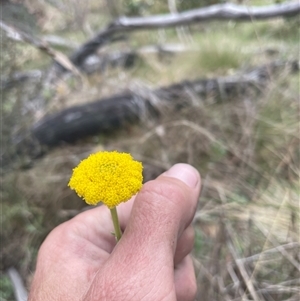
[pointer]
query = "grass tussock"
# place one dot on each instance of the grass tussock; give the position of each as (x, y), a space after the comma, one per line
(245, 146)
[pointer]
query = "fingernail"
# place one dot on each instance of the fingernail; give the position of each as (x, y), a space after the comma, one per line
(185, 173)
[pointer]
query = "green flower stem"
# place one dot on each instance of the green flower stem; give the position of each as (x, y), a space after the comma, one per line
(114, 215)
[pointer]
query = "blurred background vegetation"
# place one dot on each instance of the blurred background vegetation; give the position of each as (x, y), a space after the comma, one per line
(246, 146)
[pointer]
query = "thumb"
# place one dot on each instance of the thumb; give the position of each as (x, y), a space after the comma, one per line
(162, 210)
(141, 267)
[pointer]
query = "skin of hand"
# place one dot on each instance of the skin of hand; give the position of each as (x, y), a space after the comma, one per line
(80, 260)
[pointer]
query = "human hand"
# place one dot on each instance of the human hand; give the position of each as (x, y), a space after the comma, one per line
(80, 260)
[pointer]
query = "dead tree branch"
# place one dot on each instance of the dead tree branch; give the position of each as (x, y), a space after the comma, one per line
(18, 35)
(226, 11)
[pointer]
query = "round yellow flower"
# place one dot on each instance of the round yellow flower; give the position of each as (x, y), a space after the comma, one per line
(108, 177)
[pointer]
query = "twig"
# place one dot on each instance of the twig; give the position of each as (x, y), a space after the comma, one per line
(241, 267)
(275, 243)
(60, 42)
(278, 289)
(18, 35)
(236, 281)
(18, 285)
(277, 249)
(291, 282)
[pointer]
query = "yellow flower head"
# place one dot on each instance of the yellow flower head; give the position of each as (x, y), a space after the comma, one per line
(108, 177)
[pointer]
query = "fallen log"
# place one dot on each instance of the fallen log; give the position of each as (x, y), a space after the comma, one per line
(80, 121)
(109, 114)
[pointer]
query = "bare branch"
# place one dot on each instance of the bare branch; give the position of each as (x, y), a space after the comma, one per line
(226, 11)
(59, 42)
(18, 35)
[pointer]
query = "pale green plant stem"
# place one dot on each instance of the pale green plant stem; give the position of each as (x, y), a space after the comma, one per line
(114, 215)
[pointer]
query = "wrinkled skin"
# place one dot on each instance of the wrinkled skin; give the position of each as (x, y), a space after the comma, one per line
(80, 260)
